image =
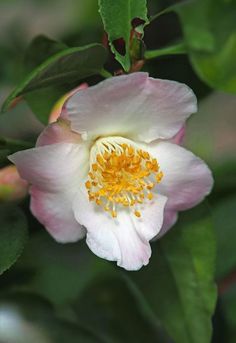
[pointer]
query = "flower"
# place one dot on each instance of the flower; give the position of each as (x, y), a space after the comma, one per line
(110, 169)
(12, 187)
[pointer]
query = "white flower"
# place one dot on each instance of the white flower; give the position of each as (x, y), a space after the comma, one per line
(109, 170)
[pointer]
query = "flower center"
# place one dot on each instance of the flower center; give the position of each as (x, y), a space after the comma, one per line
(121, 175)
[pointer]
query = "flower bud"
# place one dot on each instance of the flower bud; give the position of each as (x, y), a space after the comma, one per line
(12, 187)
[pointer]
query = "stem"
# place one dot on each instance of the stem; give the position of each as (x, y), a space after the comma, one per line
(166, 10)
(105, 73)
(176, 49)
(170, 9)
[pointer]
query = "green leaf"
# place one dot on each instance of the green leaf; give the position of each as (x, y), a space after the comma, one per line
(3, 155)
(224, 220)
(115, 301)
(62, 270)
(13, 235)
(11, 145)
(41, 101)
(65, 67)
(40, 49)
(177, 285)
(210, 34)
(117, 19)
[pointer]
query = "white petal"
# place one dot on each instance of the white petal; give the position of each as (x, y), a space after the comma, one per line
(187, 179)
(54, 211)
(124, 239)
(133, 105)
(55, 171)
(52, 167)
(58, 132)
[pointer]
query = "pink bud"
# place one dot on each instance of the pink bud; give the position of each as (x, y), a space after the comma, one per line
(12, 187)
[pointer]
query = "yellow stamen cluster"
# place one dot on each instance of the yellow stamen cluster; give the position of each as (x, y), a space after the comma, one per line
(123, 177)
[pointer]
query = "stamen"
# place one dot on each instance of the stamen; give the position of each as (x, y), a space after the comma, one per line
(121, 175)
(137, 213)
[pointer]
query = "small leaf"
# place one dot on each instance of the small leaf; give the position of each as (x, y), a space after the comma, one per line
(177, 285)
(13, 235)
(118, 17)
(65, 67)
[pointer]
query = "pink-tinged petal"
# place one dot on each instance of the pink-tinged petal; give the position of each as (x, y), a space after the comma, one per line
(57, 109)
(179, 137)
(124, 239)
(133, 105)
(187, 179)
(52, 168)
(54, 211)
(58, 132)
(12, 187)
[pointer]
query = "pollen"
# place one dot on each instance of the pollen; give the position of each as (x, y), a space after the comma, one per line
(137, 213)
(122, 175)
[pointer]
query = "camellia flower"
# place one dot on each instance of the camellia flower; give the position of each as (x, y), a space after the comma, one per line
(110, 169)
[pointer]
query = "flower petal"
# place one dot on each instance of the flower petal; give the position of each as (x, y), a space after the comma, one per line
(54, 211)
(58, 132)
(179, 137)
(124, 239)
(133, 105)
(187, 179)
(52, 168)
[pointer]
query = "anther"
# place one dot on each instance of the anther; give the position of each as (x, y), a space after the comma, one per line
(137, 213)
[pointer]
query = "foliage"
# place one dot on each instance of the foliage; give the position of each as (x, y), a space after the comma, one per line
(66, 291)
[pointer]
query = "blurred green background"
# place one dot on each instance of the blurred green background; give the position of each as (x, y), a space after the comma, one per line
(92, 304)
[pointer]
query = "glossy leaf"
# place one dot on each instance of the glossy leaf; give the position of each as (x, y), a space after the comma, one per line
(65, 67)
(13, 235)
(40, 49)
(118, 17)
(177, 285)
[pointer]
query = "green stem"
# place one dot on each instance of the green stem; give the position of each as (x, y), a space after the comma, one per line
(10, 142)
(105, 73)
(158, 15)
(176, 49)
(169, 9)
